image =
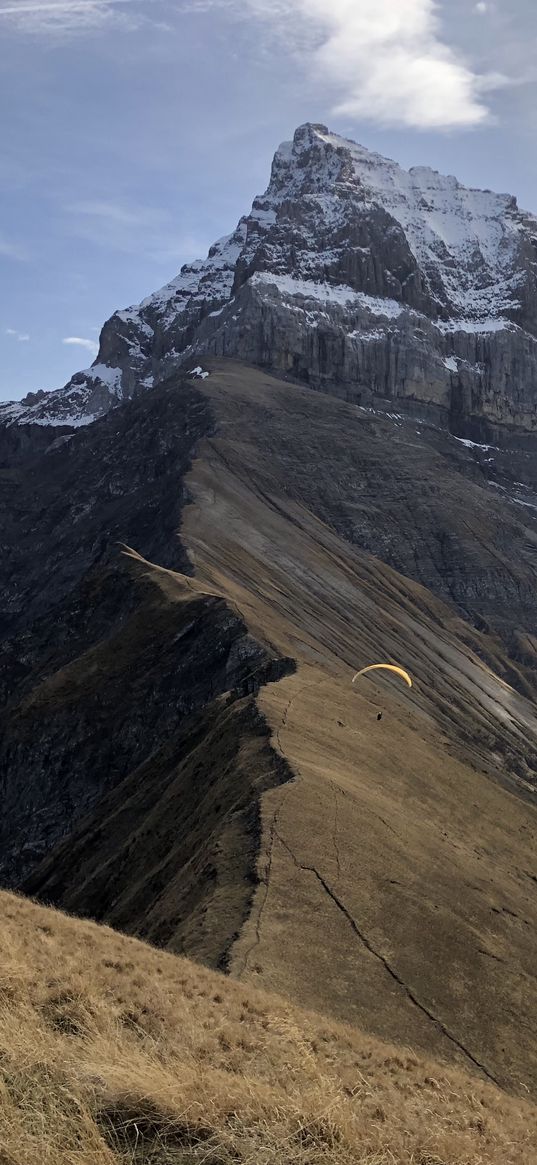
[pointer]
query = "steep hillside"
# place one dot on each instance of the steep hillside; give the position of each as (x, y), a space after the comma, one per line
(311, 451)
(390, 868)
(352, 275)
(112, 1052)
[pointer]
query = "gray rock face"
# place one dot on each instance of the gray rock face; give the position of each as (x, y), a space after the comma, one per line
(356, 277)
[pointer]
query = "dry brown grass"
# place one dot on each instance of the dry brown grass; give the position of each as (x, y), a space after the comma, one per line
(111, 1051)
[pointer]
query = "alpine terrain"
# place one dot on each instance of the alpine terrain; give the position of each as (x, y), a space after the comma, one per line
(352, 275)
(314, 450)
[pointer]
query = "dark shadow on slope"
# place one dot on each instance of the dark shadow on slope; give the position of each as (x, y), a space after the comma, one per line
(171, 854)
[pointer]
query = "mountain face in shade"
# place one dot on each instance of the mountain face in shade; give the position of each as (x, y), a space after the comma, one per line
(351, 275)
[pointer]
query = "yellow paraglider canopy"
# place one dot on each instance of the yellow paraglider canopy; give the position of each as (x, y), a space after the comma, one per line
(400, 671)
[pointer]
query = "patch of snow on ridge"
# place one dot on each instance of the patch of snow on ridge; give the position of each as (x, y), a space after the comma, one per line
(476, 327)
(11, 411)
(528, 505)
(205, 279)
(41, 414)
(329, 293)
(111, 377)
(67, 406)
(263, 214)
(73, 420)
(199, 373)
(473, 444)
(367, 337)
(450, 362)
(131, 315)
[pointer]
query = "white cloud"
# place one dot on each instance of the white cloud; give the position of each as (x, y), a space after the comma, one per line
(382, 60)
(91, 345)
(22, 337)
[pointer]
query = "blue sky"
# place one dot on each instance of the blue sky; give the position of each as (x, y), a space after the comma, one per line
(136, 132)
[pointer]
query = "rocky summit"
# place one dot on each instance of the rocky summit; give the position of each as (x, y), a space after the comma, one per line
(351, 275)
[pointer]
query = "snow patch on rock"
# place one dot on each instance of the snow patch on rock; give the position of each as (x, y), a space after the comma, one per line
(329, 293)
(473, 444)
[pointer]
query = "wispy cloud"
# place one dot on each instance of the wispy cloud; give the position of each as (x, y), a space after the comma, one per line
(118, 226)
(132, 229)
(22, 337)
(383, 60)
(65, 16)
(120, 214)
(91, 345)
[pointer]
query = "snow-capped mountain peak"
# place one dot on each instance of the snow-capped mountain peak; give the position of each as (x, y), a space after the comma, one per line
(344, 257)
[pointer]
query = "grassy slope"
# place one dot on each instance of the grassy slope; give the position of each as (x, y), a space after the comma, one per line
(398, 869)
(112, 1051)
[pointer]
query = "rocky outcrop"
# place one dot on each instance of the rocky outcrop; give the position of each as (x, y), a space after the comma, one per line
(354, 276)
(377, 354)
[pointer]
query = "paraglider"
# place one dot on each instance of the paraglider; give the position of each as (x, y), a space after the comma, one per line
(400, 671)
